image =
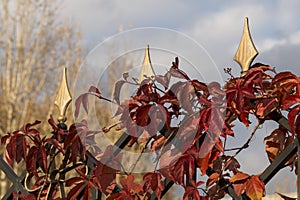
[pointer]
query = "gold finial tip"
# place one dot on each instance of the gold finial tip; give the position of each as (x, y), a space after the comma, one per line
(147, 69)
(246, 51)
(63, 97)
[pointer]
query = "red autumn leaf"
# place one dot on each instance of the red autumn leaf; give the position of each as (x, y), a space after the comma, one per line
(214, 192)
(240, 187)
(164, 80)
(240, 91)
(55, 143)
(176, 89)
(266, 106)
(206, 161)
(186, 97)
(153, 181)
(85, 102)
(239, 181)
(159, 118)
(275, 143)
(255, 188)
(284, 78)
(5, 138)
(31, 160)
(212, 179)
(185, 165)
(232, 165)
(176, 72)
(227, 130)
(168, 97)
(191, 192)
(118, 86)
(147, 89)
(290, 100)
(205, 119)
(239, 177)
(86, 194)
(216, 122)
(109, 157)
(105, 175)
(73, 180)
(215, 90)
(75, 140)
(123, 195)
(142, 115)
(130, 186)
(74, 192)
(262, 66)
(200, 87)
(71, 137)
(126, 108)
(187, 133)
(95, 90)
(42, 159)
(254, 77)
(292, 116)
(17, 147)
(82, 99)
(105, 178)
(167, 161)
(27, 128)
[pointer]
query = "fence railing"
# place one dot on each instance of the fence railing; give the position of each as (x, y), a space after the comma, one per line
(244, 56)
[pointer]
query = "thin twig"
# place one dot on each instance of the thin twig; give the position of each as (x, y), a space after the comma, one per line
(144, 148)
(246, 145)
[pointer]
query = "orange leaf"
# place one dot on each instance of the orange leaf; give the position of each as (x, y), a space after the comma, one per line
(239, 177)
(255, 188)
(275, 143)
(212, 179)
(239, 188)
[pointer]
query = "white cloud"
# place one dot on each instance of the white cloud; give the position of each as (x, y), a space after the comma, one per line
(274, 26)
(295, 38)
(268, 44)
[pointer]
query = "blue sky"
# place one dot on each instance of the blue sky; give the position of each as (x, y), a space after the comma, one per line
(217, 26)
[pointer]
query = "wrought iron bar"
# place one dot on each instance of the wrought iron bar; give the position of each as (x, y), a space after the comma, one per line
(14, 178)
(279, 162)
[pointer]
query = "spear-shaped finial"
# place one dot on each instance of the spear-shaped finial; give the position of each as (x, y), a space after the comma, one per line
(246, 51)
(147, 69)
(63, 97)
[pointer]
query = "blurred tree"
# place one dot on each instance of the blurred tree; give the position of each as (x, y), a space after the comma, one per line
(35, 43)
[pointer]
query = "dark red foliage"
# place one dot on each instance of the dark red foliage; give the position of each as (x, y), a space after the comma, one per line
(192, 191)
(184, 122)
(153, 181)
